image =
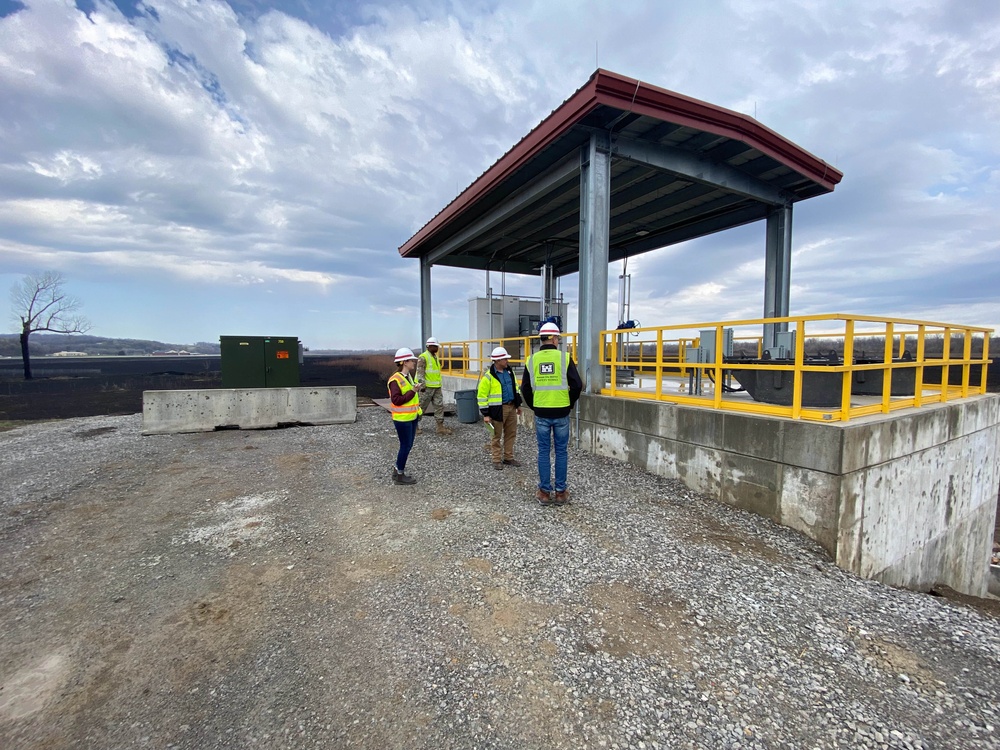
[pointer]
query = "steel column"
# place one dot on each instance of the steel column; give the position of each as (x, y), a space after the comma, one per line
(595, 224)
(426, 320)
(777, 270)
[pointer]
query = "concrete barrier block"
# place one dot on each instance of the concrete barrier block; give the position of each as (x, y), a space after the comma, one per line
(166, 412)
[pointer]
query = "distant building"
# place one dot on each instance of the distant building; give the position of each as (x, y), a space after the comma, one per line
(171, 353)
(69, 354)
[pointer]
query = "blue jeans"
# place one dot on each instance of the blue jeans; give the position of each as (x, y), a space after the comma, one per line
(544, 430)
(406, 431)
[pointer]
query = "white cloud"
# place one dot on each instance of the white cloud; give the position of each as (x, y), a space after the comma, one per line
(297, 147)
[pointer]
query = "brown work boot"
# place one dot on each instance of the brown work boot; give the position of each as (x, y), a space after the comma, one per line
(562, 497)
(544, 498)
(497, 465)
(511, 462)
(442, 430)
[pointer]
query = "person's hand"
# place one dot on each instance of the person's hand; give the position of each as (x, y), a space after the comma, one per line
(487, 420)
(519, 411)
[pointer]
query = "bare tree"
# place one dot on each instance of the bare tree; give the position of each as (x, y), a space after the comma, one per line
(40, 303)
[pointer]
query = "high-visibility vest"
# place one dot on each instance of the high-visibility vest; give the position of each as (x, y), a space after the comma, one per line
(490, 390)
(411, 409)
(432, 370)
(547, 373)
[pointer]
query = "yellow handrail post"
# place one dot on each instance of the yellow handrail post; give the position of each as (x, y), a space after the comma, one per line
(659, 362)
(845, 394)
(918, 384)
(945, 368)
(887, 367)
(717, 401)
(800, 349)
(966, 365)
(986, 362)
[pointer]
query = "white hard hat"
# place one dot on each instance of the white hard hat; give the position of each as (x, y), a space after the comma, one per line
(549, 329)
(404, 354)
(499, 353)
(432, 342)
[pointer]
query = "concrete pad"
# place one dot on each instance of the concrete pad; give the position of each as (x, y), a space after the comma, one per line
(167, 412)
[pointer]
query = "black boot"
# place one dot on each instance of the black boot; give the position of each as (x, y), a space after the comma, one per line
(399, 477)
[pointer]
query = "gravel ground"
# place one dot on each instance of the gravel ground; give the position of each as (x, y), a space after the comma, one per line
(273, 589)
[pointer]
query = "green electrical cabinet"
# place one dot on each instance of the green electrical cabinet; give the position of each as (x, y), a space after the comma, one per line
(259, 361)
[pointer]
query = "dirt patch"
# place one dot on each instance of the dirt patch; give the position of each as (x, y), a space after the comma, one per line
(633, 623)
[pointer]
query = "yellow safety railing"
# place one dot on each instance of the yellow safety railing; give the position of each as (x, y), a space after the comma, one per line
(468, 359)
(885, 363)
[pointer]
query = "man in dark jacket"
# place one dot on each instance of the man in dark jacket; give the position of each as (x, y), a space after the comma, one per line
(550, 387)
(500, 405)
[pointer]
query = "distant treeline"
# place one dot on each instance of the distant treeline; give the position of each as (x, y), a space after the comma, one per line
(45, 344)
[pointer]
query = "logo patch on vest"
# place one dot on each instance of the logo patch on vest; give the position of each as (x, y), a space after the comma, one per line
(547, 368)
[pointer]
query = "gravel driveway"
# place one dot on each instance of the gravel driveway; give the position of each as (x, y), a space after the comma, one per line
(272, 589)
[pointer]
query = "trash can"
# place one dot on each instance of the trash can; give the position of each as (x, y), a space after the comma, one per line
(468, 408)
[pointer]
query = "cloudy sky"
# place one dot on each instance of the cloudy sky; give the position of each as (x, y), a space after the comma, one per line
(204, 168)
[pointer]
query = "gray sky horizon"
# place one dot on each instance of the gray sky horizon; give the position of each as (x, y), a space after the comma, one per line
(198, 168)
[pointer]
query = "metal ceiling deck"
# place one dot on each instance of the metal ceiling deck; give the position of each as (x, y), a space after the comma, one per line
(525, 210)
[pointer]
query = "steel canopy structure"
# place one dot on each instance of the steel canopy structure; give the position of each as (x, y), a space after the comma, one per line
(621, 168)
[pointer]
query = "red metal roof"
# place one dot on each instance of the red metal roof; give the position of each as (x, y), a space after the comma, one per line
(607, 89)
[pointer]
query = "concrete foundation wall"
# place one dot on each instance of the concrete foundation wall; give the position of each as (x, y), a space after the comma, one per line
(908, 499)
(165, 412)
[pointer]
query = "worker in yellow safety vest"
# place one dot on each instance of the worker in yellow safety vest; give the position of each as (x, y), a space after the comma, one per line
(550, 387)
(500, 404)
(405, 401)
(429, 384)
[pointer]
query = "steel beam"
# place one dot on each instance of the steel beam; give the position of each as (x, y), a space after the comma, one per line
(700, 169)
(595, 222)
(777, 270)
(522, 199)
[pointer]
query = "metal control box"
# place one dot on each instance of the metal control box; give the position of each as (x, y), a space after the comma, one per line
(259, 361)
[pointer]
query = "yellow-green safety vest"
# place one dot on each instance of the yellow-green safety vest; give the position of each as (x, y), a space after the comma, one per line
(490, 391)
(432, 370)
(411, 409)
(547, 373)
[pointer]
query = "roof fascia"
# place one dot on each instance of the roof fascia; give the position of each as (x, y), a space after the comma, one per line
(618, 91)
